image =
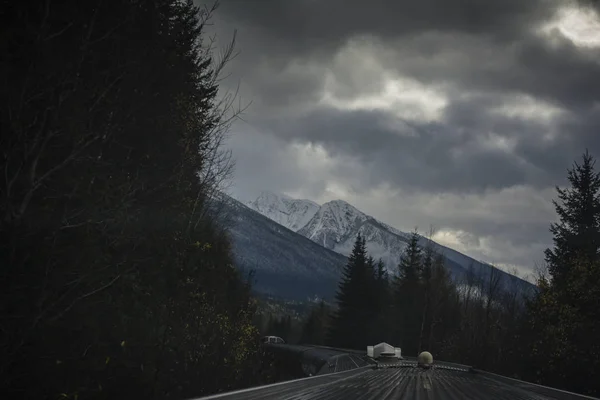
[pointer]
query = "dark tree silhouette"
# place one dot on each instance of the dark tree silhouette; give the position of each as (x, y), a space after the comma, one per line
(116, 276)
(349, 324)
(563, 316)
(577, 234)
(408, 297)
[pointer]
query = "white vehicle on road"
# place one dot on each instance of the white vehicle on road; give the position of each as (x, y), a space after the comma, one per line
(272, 340)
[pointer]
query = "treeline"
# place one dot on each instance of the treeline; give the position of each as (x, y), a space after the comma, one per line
(547, 335)
(420, 307)
(116, 276)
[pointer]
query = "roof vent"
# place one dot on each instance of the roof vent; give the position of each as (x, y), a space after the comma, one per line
(384, 350)
(425, 359)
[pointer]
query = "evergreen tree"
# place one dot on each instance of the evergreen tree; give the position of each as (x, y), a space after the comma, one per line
(380, 328)
(381, 273)
(349, 322)
(410, 268)
(426, 280)
(441, 319)
(577, 235)
(111, 255)
(370, 289)
(563, 317)
(408, 300)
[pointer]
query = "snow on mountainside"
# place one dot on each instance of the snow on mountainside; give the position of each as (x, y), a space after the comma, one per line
(291, 213)
(335, 224)
(286, 264)
(332, 223)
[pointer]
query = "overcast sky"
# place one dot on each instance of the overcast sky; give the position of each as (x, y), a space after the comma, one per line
(461, 114)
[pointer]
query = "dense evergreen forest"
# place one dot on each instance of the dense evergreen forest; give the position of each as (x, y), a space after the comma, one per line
(117, 278)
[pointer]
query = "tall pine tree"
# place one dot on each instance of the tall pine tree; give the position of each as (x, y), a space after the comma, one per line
(563, 317)
(349, 325)
(410, 268)
(116, 281)
(380, 328)
(577, 235)
(408, 299)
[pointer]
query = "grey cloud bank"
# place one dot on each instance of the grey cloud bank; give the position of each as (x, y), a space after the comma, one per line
(459, 114)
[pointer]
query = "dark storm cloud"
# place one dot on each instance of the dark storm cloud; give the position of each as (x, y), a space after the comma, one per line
(436, 159)
(308, 24)
(275, 33)
(558, 72)
(479, 56)
(485, 47)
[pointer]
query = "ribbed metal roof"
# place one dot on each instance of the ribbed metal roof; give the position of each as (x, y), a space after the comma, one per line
(349, 374)
(405, 382)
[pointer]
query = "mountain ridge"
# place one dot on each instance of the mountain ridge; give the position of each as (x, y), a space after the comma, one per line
(285, 264)
(289, 212)
(336, 223)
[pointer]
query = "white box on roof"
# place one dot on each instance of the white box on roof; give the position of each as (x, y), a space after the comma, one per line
(384, 349)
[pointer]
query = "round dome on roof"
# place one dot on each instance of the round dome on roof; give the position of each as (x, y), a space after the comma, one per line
(425, 359)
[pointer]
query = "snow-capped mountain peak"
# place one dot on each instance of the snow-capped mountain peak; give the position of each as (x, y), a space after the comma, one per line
(334, 220)
(335, 224)
(291, 213)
